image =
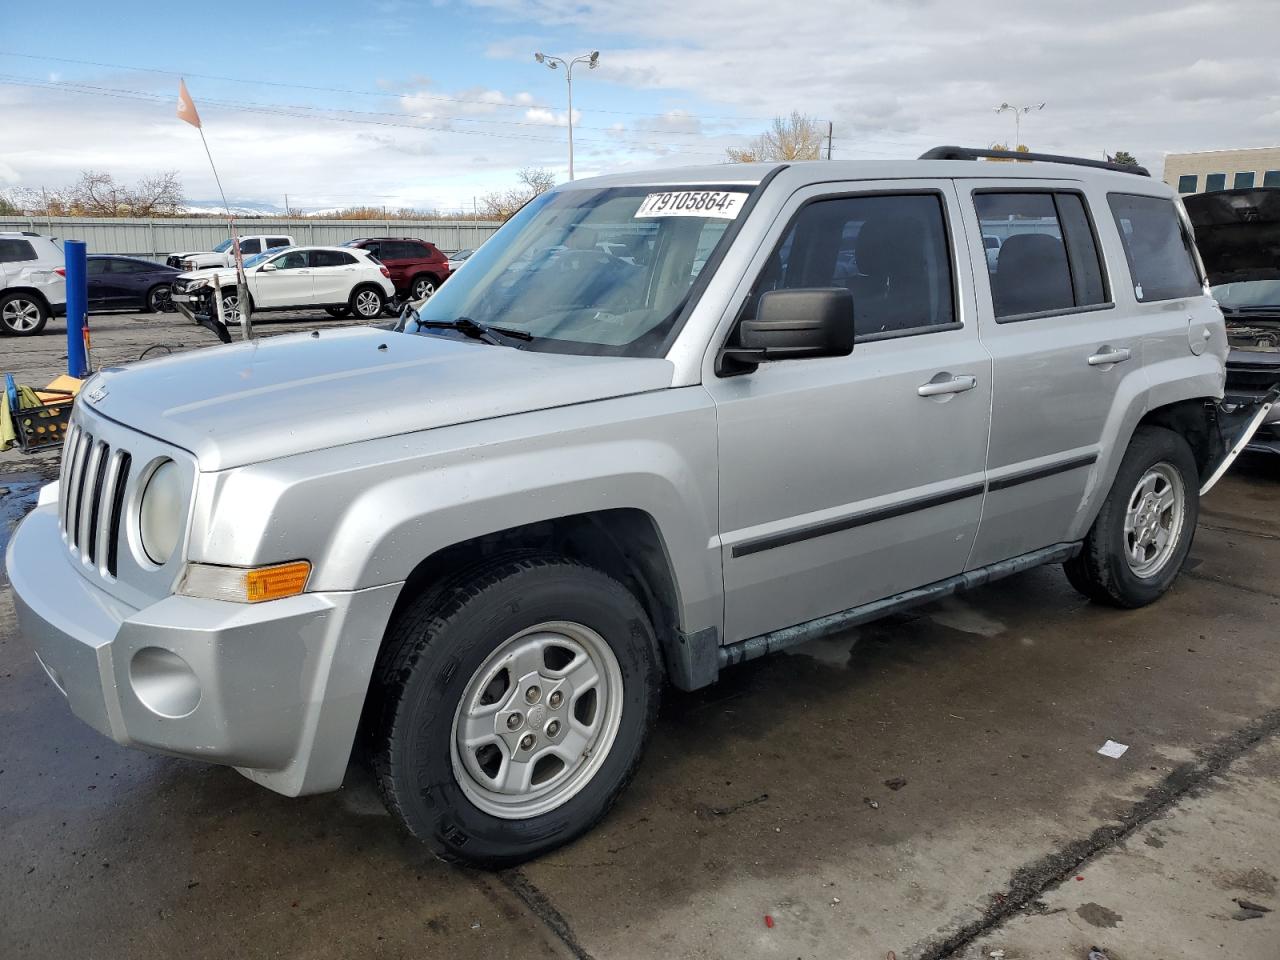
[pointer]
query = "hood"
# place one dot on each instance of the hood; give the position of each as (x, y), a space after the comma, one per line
(263, 399)
(207, 273)
(1237, 233)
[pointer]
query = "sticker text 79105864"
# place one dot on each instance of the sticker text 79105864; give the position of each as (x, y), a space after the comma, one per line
(717, 204)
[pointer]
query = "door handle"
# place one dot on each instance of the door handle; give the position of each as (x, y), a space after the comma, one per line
(1106, 356)
(939, 388)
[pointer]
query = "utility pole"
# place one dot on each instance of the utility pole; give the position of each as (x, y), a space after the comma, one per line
(592, 60)
(830, 131)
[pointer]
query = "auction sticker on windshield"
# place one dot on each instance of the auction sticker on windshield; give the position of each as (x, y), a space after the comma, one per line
(720, 204)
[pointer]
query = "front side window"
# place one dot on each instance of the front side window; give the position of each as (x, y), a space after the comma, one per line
(293, 260)
(16, 251)
(890, 252)
(1243, 180)
(1215, 181)
(1188, 183)
(1157, 247)
(605, 271)
(1048, 260)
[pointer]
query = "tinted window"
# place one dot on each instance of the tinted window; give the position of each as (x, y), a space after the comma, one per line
(293, 260)
(1048, 260)
(1215, 181)
(1188, 183)
(15, 251)
(402, 250)
(890, 252)
(133, 266)
(1271, 178)
(273, 242)
(1156, 246)
(250, 246)
(1243, 181)
(330, 258)
(373, 247)
(95, 268)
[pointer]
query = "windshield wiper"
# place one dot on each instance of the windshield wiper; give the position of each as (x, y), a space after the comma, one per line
(477, 331)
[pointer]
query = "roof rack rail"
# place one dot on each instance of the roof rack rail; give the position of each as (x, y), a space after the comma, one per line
(976, 153)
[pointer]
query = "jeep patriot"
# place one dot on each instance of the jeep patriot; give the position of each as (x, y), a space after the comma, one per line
(660, 424)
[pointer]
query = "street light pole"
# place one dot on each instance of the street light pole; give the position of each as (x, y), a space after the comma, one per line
(592, 60)
(1018, 113)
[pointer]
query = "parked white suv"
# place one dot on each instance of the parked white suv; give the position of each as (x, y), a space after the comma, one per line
(33, 283)
(339, 279)
(223, 255)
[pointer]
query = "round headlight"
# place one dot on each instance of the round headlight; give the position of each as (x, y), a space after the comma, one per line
(161, 512)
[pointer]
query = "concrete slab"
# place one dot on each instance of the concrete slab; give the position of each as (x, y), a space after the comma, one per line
(1175, 889)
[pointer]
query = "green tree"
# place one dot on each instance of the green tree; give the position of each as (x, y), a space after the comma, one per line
(1125, 157)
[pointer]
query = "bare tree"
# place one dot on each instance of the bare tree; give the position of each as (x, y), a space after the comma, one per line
(503, 204)
(98, 194)
(796, 137)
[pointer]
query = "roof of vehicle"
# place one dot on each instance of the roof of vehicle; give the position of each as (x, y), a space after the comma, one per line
(819, 171)
(369, 239)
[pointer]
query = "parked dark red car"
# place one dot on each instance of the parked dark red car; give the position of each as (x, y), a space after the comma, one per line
(417, 267)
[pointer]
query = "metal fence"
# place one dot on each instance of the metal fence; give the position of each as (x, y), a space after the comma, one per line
(157, 238)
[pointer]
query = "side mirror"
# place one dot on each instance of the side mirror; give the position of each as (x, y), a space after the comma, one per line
(268, 268)
(790, 324)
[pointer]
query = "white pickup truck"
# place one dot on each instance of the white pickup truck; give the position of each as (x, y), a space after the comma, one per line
(223, 255)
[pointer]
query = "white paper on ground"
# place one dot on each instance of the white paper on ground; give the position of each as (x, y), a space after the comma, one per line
(1113, 749)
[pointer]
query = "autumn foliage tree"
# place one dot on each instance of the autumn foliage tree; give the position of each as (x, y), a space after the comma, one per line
(98, 194)
(503, 204)
(796, 137)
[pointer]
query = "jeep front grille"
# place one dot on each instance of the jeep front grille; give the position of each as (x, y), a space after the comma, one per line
(91, 498)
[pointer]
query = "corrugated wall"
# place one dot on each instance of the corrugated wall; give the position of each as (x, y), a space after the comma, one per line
(158, 238)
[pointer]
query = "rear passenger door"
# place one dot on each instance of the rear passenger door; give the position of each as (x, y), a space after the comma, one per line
(333, 274)
(1063, 355)
(847, 479)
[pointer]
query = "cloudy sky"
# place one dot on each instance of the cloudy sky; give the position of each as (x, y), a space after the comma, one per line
(429, 104)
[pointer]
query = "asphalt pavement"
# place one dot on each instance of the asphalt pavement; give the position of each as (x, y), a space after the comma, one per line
(927, 786)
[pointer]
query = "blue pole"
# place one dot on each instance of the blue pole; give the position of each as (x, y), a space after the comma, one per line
(77, 305)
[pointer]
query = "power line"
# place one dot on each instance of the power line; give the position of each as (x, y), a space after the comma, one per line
(359, 93)
(309, 113)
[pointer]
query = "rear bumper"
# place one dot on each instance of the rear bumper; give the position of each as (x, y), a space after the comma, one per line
(273, 689)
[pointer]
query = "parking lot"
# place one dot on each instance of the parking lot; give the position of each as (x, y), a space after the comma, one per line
(926, 786)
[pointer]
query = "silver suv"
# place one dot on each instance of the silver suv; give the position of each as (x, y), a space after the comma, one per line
(33, 283)
(662, 423)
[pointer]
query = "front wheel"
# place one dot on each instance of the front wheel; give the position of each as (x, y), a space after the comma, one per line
(367, 303)
(22, 315)
(1143, 532)
(511, 706)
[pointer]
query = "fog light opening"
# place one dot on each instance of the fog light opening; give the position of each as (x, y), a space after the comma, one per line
(164, 682)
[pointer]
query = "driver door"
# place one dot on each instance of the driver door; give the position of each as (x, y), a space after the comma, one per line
(288, 285)
(844, 480)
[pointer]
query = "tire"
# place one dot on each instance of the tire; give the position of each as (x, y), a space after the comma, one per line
(1121, 568)
(367, 303)
(434, 663)
(337, 312)
(157, 299)
(422, 287)
(22, 314)
(230, 306)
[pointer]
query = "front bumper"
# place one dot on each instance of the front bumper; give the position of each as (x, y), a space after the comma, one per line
(274, 689)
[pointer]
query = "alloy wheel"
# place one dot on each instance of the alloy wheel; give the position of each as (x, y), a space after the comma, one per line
(20, 315)
(1153, 520)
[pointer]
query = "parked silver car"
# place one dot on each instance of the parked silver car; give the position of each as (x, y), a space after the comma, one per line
(486, 542)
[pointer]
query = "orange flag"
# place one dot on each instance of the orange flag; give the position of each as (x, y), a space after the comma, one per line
(187, 106)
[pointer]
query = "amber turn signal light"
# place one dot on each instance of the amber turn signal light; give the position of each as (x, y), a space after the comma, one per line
(272, 583)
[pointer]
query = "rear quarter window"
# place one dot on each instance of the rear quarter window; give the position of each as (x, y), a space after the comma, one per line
(1157, 247)
(16, 251)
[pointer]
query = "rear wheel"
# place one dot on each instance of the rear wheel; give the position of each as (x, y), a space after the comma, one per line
(367, 303)
(422, 288)
(22, 314)
(1144, 530)
(510, 708)
(159, 299)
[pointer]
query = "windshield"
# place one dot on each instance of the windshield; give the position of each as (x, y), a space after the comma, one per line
(260, 257)
(223, 247)
(1248, 293)
(604, 271)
